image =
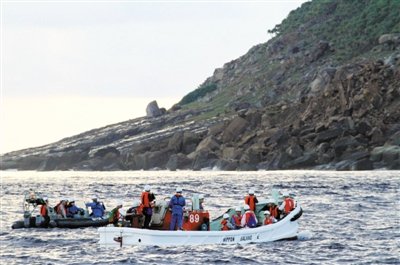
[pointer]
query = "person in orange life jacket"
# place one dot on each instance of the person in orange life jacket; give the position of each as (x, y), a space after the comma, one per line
(225, 224)
(287, 205)
(61, 208)
(97, 207)
(44, 212)
(147, 199)
(236, 218)
(249, 219)
(268, 219)
(273, 208)
(251, 200)
(114, 215)
(176, 204)
(72, 209)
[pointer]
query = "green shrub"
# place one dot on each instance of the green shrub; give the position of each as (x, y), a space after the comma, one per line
(200, 92)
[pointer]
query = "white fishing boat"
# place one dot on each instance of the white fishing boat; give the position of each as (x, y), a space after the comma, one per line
(286, 228)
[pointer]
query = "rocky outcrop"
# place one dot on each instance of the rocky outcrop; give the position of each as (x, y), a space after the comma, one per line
(152, 110)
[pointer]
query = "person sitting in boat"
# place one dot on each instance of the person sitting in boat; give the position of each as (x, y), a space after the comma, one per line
(147, 202)
(236, 218)
(44, 212)
(251, 200)
(114, 215)
(273, 208)
(72, 209)
(176, 205)
(97, 207)
(61, 208)
(287, 205)
(249, 219)
(268, 218)
(225, 224)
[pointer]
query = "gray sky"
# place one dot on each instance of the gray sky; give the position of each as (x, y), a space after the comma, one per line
(66, 52)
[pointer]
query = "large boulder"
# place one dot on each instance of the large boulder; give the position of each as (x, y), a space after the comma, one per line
(237, 126)
(152, 110)
(178, 161)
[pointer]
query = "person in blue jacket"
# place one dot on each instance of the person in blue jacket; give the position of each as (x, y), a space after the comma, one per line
(97, 207)
(176, 204)
(72, 209)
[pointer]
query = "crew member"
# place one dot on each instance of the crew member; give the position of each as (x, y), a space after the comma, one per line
(273, 208)
(249, 219)
(287, 205)
(268, 219)
(61, 208)
(44, 212)
(114, 215)
(225, 224)
(147, 199)
(251, 200)
(201, 202)
(236, 218)
(72, 209)
(97, 207)
(176, 204)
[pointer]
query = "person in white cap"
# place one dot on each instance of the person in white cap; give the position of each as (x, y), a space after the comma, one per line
(72, 209)
(176, 204)
(287, 205)
(268, 219)
(97, 207)
(114, 215)
(236, 218)
(225, 224)
(251, 200)
(147, 203)
(249, 219)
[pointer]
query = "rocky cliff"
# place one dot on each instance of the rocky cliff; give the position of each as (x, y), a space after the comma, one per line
(323, 93)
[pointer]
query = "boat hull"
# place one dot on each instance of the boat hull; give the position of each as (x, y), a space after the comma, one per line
(62, 223)
(287, 228)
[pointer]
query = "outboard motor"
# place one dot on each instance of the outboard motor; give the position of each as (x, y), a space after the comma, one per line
(27, 219)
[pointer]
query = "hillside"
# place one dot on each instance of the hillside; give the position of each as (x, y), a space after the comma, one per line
(324, 92)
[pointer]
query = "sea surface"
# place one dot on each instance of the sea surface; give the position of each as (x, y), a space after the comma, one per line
(349, 217)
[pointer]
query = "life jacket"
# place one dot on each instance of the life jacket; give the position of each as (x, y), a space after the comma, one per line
(251, 201)
(237, 219)
(268, 221)
(224, 224)
(289, 205)
(274, 211)
(145, 199)
(43, 210)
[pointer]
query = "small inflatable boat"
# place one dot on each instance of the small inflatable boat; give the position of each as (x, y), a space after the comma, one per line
(286, 228)
(32, 219)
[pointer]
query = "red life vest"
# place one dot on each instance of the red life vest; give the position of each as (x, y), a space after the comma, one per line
(237, 219)
(273, 210)
(224, 224)
(289, 205)
(43, 210)
(145, 199)
(251, 201)
(268, 221)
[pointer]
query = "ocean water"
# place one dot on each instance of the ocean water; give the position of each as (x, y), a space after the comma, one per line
(349, 217)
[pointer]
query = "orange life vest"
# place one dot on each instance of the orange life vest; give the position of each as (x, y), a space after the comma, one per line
(289, 205)
(237, 219)
(251, 201)
(273, 210)
(224, 224)
(268, 221)
(43, 210)
(145, 199)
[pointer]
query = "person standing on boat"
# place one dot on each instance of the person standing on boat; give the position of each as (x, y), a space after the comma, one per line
(287, 205)
(268, 219)
(97, 207)
(249, 219)
(225, 224)
(251, 200)
(176, 204)
(147, 200)
(44, 212)
(236, 218)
